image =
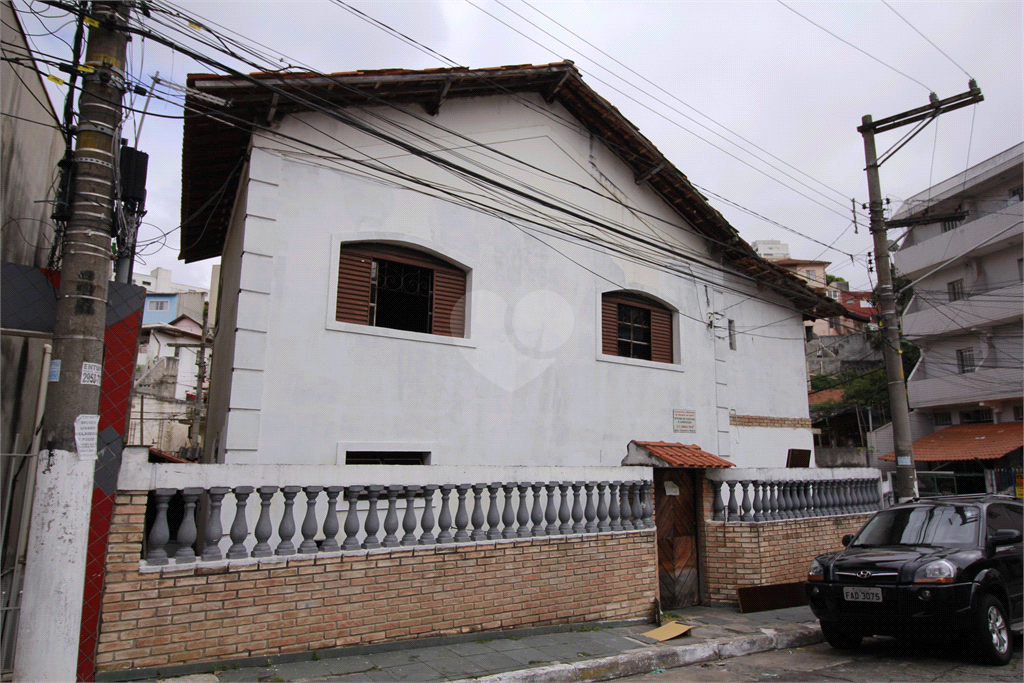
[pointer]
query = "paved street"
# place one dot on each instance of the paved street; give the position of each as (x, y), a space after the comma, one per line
(879, 659)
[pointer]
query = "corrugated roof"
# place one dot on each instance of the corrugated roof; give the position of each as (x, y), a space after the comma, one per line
(681, 455)
(968, 442)
(214, 147)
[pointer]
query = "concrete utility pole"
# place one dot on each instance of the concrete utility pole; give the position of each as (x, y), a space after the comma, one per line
(80, 319)
(906, 475)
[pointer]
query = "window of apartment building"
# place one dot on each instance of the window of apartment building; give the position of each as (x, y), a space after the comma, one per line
(833, 323)
(950, 225)
(384, 285)
(1020, 269)
(965, 360)
(1018, 413)
(942, 419)
(1016, 195)
(812, 275)
(635, 327)
(159, 304)
(977, 416)
(833, 294)
(864, 303)
(955, 289)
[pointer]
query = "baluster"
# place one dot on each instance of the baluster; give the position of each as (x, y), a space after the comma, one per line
(444, 520)
(352, 518)
(747, 515)
(814, 497)
(372, 524)
(613, 505)
(603, 520)
(840, 496)
(590, 511)
(523, 515)
(648, 490)
(797, 498)
(537, 514)
(461, 517)
(427, 520)
(758, 502)
(409, 520)
(551, 511)
(855, 496)
(845, 496)
(637, 507)
(784, 501)
(564, 515)
(187, 531)
(508, 513)
(330, 544)
(214, 530)
(239, 529)
(776, 515)
(805, 503)
(717, 506)
(477, 517)
(830, 497)
(309, 526)
(286, 529)
(160, 533)
(264, 529)
(733, 509)
(578, 525)
(625, 511)
(493, 516)
(391, 518)
(860, 490)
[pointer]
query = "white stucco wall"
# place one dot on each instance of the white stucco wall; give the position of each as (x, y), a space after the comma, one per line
(528, 385)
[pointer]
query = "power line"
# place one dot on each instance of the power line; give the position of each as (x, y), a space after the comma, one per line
(926, 38)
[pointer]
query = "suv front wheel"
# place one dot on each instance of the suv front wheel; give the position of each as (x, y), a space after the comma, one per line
(993, 631)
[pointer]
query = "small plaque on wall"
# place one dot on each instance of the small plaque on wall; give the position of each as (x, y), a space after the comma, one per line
(684, 421)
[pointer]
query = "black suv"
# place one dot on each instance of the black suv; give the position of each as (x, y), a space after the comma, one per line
(938, 568)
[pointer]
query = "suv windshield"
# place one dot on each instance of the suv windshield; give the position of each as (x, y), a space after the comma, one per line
(943, 525)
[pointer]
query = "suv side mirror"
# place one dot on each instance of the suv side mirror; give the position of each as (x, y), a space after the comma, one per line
(1006, 537)
(846, 540)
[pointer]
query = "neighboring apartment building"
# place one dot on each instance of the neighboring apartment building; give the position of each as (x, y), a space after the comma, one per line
(963, 254)
(375, 313)
(167, 300)
(771, 249)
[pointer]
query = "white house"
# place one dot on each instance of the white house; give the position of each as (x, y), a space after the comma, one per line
(476, 266)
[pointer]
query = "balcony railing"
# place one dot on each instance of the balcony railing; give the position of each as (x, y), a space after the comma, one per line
(768, 495)
(995, 307)
(916, 260)
(984, 384)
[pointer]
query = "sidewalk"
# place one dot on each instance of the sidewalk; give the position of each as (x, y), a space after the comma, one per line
(599, 652)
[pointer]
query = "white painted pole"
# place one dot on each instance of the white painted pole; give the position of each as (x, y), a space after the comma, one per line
(50, 618)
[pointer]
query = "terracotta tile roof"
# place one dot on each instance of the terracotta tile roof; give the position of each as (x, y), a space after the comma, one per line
(968, 442)
(680, 455)
(824, 395)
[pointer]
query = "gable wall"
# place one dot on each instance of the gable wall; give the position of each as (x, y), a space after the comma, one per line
(528, 385)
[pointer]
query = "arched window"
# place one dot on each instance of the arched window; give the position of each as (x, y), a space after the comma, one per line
(384, 285)
(633, 326)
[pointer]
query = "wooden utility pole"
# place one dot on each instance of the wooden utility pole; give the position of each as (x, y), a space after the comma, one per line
(80, 319)
(906, 475)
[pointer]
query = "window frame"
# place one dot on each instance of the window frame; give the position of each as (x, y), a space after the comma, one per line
(640, 298)
(955, 290)
(962, 356)
(454, 260)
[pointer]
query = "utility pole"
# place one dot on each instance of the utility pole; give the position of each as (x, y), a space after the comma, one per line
(906, 475)
(80, 318)
(197, 412)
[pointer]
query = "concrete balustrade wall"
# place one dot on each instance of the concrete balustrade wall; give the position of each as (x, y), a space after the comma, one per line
(229, 610)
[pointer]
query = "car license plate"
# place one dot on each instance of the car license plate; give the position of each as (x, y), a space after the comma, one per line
(865, 594)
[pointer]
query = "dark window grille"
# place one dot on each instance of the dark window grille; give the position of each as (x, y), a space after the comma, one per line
(386, 458)
(950, 225)
(979, 416)
(942, 419)
(400, 296)
(965, 360)
(634, 332)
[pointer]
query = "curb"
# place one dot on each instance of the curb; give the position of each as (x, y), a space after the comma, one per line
(652, 659)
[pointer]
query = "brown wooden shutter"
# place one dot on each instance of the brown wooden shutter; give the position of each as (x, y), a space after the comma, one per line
(449, 302)
(609, 326)
(661, 335)
(354, 286)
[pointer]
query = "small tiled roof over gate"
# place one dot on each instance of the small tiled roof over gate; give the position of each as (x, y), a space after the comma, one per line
(680, 455)
(968, 442)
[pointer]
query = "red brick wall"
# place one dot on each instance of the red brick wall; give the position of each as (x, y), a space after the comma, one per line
(306, 603)
(739, 554)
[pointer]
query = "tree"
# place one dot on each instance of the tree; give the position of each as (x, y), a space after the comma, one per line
(829, 279)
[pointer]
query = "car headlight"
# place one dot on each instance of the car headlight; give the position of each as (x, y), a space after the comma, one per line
(816, 572)
(939, 571)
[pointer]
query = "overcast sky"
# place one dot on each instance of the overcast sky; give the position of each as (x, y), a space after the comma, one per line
(705, 73)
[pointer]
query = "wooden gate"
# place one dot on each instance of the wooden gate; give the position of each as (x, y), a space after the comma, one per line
(675, 511)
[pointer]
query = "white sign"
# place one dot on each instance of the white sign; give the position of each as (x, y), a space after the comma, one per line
(684, 421)
(903, 461)
(671, 489)
(54, 371)
(86, 427)
(92, 373)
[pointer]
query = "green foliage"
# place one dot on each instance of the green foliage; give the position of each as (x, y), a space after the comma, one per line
(829, 279)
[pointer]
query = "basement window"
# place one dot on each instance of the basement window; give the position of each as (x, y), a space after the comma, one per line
(387, 458)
